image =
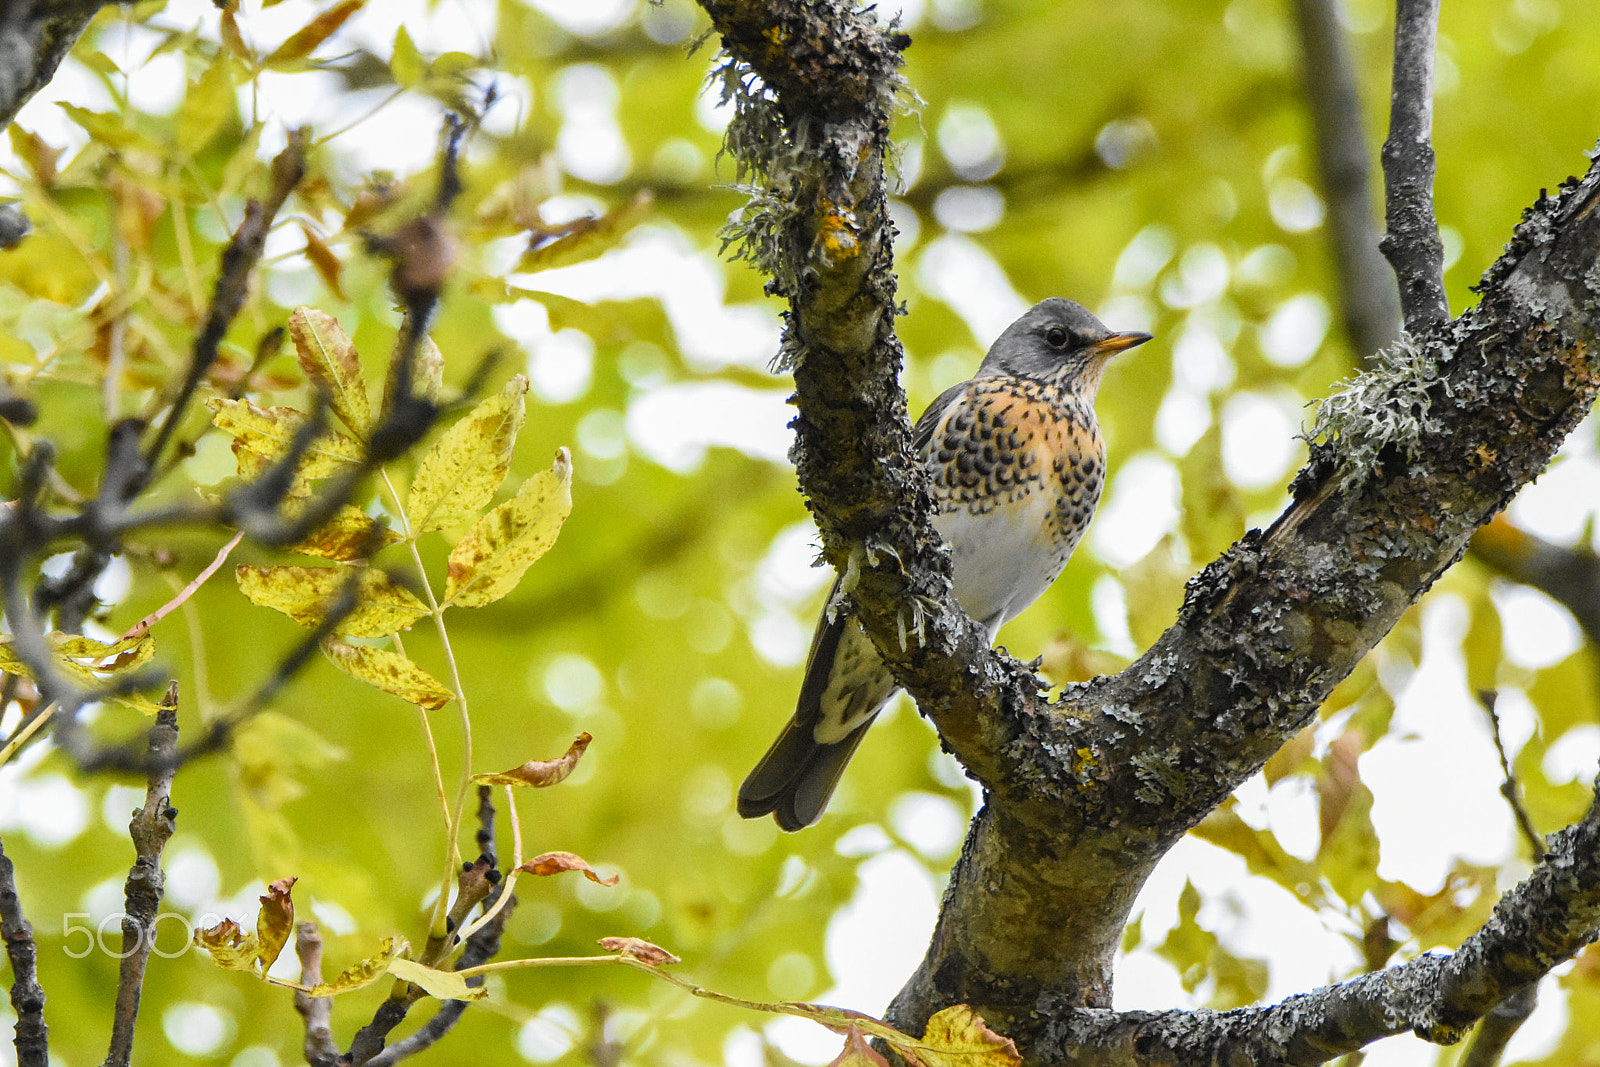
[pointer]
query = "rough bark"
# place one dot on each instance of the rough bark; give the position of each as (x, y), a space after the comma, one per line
(1087, 794)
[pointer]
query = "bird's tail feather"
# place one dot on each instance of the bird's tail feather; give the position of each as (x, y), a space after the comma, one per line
(794, 780)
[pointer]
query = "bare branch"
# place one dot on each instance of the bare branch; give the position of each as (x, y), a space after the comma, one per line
(27, 996)
(1508, 785)
(1412, 244)
(319, 1049)
(150, 829)
(1497, 1028)
(1367, 294)
(1569, 576)
(1549, 918)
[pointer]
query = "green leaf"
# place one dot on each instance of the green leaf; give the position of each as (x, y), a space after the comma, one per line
(584, 238)
(445, 985)
(461, 472)
(406, 64)
(208, 104)
(486, 564)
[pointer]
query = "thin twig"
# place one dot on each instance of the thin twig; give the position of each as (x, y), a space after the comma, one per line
(238, 260)
(1508, 786)
(142, 627)
(27, 996)
(151, 828)
(1367, 294)
(1412, 244)
(1497, 1028)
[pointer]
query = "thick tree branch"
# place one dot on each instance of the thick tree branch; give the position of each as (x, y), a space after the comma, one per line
(1087, 796)
(1367, 294)
(1412, 243)
(1549, 918)
(1569, 576)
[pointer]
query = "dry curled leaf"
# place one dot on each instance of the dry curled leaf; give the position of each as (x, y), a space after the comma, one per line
(557, 862)
(539, 773)
(639, 949)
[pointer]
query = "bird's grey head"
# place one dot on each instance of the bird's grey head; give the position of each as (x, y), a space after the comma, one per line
(1060, 342)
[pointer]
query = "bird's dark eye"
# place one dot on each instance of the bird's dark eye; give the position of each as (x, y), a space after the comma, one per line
(1056, 336)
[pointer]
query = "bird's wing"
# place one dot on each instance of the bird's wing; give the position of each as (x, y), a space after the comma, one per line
(928, 424)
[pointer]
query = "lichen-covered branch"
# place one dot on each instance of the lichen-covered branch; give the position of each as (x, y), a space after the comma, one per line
(151, 828)
(27, 995)
(1412, 243)
(1367, 294)
(1084, 798)
(1549, 918)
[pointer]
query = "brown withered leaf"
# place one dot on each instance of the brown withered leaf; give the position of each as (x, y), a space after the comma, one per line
(856, 1051)
(274, 922)
(324, 261)
(639, 949)
(557, 862)
(539, 773)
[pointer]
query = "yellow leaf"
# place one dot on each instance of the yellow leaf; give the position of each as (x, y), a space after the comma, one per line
(303, 594)
(406, 63)
(486, 564)
(957, 1037)
(350, 535)
(305, 40)
(274, 922)
(363, 972)
(389, 671)
(207, 105)
(69, 649)
(230, 946)
(330, 360)
(446, 985)
(539, 773)
(461, 472)
(269, 432)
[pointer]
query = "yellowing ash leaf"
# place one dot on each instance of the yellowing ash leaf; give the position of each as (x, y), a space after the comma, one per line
(539, 772)
(363, 972)
(461, 472)
(230, 946)
(958, 1037)
(486, 564)
(389, 671)
(269, 432)
(304, 593)
(329, 359)
(446, 985)
(350, 535)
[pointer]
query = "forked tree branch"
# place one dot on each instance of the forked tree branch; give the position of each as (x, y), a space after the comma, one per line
(1085, 796)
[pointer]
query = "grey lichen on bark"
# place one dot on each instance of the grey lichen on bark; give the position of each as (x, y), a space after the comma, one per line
(1085, 795)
